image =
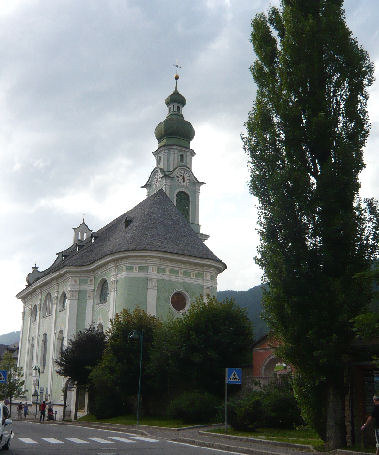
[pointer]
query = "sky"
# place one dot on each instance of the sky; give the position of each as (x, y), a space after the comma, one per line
(82, 87)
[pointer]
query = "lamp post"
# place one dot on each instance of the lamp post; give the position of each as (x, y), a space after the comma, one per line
(135, 335)
(37, 369)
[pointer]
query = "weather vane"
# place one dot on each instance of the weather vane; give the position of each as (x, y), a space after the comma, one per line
(176, 74)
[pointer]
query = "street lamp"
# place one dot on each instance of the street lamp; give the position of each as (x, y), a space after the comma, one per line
(138, 335)
(37, 369)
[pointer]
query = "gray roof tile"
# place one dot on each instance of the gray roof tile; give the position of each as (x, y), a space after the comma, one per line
(155, 224)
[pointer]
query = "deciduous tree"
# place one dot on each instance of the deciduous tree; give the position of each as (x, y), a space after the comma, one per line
(14, 386)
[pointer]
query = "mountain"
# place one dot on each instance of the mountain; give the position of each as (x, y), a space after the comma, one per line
(10, 338)
(252, 301)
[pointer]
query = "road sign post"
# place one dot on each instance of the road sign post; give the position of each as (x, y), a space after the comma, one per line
(232, 376)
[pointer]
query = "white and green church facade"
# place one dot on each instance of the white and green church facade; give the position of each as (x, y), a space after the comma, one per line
(152, 257)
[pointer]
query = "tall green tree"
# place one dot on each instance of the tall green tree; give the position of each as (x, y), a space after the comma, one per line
(305, 139)
(14, 387)
(83, 352)
(115, 379)
(194, 350)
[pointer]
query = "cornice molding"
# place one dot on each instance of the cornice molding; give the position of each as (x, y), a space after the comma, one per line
(149, 257)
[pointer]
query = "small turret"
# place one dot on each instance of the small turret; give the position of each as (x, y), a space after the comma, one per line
(82, 232)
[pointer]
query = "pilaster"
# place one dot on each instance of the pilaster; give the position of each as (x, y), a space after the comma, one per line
(72, 309)
(113, 294)
(52, 341)
(24, 345)
(151, 304)
(36, 355)
(90, 302)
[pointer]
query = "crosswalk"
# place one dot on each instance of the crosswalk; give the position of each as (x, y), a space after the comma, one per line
(131, 439)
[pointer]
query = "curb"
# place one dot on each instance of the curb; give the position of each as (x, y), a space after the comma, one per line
(267, 442)
(219, 446)
(351, 452)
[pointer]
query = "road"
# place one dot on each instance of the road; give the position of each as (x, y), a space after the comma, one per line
(34, 438)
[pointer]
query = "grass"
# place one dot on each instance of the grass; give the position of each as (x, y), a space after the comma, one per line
(305, 436)
(131, 420)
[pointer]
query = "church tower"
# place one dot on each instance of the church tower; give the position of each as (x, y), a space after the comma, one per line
(173, 170)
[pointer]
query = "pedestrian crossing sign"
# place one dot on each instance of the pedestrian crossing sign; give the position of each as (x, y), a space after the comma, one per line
(3, 376)
(234, 376)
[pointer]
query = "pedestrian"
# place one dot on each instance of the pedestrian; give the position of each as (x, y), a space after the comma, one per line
(42, 410)
(374, 419)
(19, 410)
(26, 410)
(50, 412)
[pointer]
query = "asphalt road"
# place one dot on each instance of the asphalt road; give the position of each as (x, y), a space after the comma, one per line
(35, 438)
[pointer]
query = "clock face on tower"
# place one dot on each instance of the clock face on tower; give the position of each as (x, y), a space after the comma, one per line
(183, 177)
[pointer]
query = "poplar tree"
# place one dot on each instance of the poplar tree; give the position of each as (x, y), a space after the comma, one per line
(305, 138)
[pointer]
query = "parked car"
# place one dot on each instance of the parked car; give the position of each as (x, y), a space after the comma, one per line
(6, 428)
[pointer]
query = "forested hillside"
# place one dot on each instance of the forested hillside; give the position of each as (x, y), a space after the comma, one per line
(10, 338)
(252, 301)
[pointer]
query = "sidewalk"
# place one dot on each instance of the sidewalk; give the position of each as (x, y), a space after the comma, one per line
(200, 437)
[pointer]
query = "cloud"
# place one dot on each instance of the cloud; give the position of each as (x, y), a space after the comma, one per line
(82, 87)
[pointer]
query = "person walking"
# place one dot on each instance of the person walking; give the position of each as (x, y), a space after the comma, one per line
(26, 410)
(374, 419)
(42, 410)
(19, 410)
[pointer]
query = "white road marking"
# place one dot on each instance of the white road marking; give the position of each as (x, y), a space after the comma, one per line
(140, 438)
(102, 441)
(117, 438)
(78, 441)
(27, 440)
(53, 440)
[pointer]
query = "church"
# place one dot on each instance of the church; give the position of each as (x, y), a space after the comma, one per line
(152, 257)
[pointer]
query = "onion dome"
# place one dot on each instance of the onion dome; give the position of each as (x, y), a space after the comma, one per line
(174, 130)
(175, 97)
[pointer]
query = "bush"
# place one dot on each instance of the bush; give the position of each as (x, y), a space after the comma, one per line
(272, 406)
(245, 413)
(194, 407)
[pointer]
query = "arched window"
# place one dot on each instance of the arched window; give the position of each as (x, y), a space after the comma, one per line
(59, 347)
(62, 301)
(49, 304)
(104, 292)
(31, 354)
(43, 352)
(100, 327)
(183, 204)
(46, 306)
(179, 301)
(34, 313)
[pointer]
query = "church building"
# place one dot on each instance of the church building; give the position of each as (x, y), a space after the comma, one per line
(152, 257)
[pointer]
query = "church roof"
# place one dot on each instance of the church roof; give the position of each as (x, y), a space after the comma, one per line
(155, 224)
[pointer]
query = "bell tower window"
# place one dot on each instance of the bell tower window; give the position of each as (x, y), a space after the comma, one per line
(183, 204)
(181, 158)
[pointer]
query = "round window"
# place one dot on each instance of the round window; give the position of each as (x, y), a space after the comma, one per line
(178, 301)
